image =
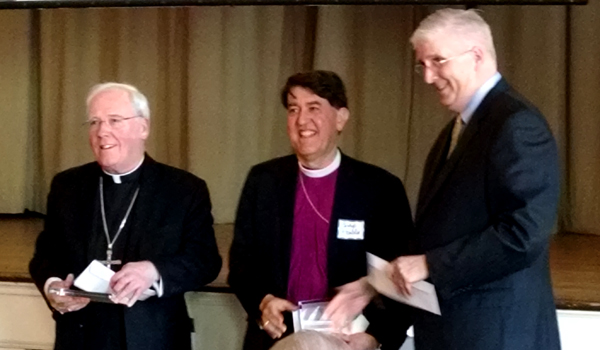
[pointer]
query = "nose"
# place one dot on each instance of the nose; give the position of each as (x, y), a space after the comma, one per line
(302, 117)
(429, 75)
(102, 128)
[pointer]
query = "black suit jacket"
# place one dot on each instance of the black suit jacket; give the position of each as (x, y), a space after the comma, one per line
(260, 253)
(484, 220)
(171, 226)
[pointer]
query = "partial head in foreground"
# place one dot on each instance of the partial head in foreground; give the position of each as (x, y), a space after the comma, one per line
(311, 340)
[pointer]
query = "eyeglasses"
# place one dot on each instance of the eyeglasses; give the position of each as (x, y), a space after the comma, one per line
(436, 63)
(114, 122)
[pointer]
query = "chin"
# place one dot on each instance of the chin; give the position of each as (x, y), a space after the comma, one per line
(447, 103)
(106, 165)
(309, 155)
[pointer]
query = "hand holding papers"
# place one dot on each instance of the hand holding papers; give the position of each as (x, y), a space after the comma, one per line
(62, 302)
(96, 278)
(133, 282)
(407, 270)
(272, 309)
(422, 296)
(350, 300)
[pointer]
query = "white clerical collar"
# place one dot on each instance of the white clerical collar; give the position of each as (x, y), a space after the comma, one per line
(117, 177)
(324, 171)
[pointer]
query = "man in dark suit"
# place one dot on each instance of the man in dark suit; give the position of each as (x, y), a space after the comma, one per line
(149, 222)
(305, 222)
(487, 202)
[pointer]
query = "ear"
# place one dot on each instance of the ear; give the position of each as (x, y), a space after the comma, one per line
(479, 55)
(145, 125)
(341, 118)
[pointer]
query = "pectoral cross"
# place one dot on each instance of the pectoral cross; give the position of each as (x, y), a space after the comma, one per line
(108, 262)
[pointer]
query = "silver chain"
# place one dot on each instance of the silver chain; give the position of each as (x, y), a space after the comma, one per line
(108, 241)
(309, 201)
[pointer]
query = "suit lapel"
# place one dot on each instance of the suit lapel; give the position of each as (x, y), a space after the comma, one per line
(287, 200)
(438, 158)
(89, 199)
(340, 199)
(440, 177)
(142, 212)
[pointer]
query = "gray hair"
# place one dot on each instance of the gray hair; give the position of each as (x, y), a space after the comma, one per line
(311, 340)
(465, 25)
(138, 100)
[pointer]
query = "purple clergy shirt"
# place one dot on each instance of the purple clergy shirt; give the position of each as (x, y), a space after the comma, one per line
(308, 259)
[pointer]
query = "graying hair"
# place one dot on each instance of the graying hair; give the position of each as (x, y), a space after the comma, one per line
(138, 100)
(311, 340)
(465, 25)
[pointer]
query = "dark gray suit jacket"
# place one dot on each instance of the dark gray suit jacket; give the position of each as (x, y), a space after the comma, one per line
(260, 253)
(484, 221)
(171, 226)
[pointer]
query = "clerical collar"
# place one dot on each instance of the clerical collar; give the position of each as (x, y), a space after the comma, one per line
(118, 178)
(324, 171)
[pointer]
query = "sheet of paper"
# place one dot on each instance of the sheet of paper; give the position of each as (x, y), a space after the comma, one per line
(96, 278)
(423, 293)
(309, 316)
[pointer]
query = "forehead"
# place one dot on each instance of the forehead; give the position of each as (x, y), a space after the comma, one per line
(301, 95)
(441, 45)
(111, 102)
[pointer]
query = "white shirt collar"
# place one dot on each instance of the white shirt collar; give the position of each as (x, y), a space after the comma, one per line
(324, 171)
(117, 177)
(478, 97)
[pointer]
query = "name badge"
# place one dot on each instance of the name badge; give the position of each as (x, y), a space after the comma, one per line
(351, 229)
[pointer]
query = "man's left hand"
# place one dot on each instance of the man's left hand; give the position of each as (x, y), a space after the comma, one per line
(407, 270)
(132, 280)
(350, 300)
(360, 341)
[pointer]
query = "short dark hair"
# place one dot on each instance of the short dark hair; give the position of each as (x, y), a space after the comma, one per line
(324, 84)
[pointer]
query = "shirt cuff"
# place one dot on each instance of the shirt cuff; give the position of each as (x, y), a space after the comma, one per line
(47, 284)
(158, 287)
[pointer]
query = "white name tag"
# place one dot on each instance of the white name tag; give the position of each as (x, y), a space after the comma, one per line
(351, 229)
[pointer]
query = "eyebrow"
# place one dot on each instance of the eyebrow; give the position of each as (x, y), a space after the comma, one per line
(311, 103)
(112, 115)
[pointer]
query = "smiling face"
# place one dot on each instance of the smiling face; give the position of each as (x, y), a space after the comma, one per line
(313, 126)
(120, 147)
(454, 79)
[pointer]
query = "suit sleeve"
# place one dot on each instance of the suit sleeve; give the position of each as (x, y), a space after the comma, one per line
(242, 262)
(522, 190)
(388, 319)
(197, 262)
(49, 255)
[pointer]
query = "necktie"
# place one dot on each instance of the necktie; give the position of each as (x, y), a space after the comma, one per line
(458, 124)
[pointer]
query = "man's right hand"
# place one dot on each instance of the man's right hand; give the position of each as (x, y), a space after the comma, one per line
(272, 320)
(64, 304)
(350, 301)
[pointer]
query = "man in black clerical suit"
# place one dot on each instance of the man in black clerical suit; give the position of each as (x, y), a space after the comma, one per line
(306, 221)
(487, 202)
(149, 222)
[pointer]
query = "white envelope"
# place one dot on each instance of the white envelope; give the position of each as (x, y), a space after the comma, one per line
(423, 293)
(96, 278)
